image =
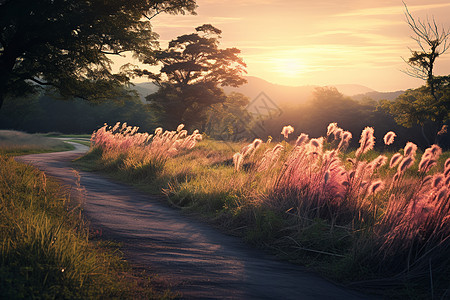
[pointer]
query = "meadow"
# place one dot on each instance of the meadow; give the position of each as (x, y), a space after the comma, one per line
(47, 248)
(14, 142)
(372, 220)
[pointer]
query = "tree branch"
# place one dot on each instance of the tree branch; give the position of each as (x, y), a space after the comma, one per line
(113, 53)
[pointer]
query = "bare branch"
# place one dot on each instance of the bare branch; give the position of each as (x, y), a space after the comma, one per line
(118, 53)
(39, 81)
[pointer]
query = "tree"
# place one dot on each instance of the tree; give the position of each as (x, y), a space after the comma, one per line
(433, 42)
(230, 119)
(430, 102)
(193, 71)
(66, 44)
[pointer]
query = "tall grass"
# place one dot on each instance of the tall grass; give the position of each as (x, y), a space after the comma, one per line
(366, 214)
(45, 246)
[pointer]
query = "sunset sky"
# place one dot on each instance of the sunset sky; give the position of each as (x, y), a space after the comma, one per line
(317, 42)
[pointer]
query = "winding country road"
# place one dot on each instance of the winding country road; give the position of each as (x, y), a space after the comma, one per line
(198, 261)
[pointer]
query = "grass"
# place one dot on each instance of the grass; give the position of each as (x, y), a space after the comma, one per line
(312, 203)
(61, 135)
(82, 142)
(13, 143)
(47, 249)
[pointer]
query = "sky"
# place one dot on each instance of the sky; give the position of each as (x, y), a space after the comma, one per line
(317, 42)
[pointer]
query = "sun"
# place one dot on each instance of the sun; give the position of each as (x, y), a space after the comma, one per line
(289, 67)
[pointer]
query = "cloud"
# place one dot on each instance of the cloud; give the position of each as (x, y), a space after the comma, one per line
(390, 10)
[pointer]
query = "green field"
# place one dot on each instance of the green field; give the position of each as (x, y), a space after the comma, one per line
(47, 249)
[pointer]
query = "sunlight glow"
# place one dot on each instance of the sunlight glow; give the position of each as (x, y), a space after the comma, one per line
(288, 67)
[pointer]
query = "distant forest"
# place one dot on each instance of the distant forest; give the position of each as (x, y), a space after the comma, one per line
(47, 113)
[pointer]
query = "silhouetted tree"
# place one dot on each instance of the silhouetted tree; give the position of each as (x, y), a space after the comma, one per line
(65, 43)
(430, 102)
(433, 42)
(194, 70)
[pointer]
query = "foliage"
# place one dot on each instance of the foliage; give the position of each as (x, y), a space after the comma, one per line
(45, 113)
(228, 120)
(46, 248)
(328, 105)
(433, 42)
(418, 106)
(65, 43)
(430, 102)
(193, 71)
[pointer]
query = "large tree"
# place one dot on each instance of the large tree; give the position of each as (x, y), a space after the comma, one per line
(432, 101)
(433, 42)
(194, 70)
(67, 44)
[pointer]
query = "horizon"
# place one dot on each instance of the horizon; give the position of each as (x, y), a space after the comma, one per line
(324, 43)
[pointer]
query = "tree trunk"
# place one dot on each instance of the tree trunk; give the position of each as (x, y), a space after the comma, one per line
(424, 135)
(2, 97)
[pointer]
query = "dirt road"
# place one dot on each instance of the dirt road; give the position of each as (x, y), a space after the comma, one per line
(199, 261)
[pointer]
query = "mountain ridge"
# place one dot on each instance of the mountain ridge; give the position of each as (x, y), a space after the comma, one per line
(284, 94)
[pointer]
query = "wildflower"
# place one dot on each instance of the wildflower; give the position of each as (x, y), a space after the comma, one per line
(437, 180)
(246, 150)
(426, 164)
(367, 141)
(426, 179)
(302, 138)
(389, 137)
(316, 142)
(237, 160)
(379, 161)
(115, 127)
(396, 158)
(316, 145)
(338, 133)
(198, 137)
(410, 149)
(447, 172)
(351, 160)
(406, 163)
(443, 193)
(180, 127)
(375, 187)
(256, 143)
(287, 130)
(346, 136)
(182, 134)
(331, 128)
(435, 150)
(277, 148)
(443, 130)
(447, 164)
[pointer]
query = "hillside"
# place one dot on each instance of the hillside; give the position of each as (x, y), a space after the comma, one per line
(282, 94)
(144, 89)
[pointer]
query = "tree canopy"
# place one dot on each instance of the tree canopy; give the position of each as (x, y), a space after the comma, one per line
(194, 70)
(66, 43)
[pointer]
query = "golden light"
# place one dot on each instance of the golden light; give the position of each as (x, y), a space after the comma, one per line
(288, 67)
